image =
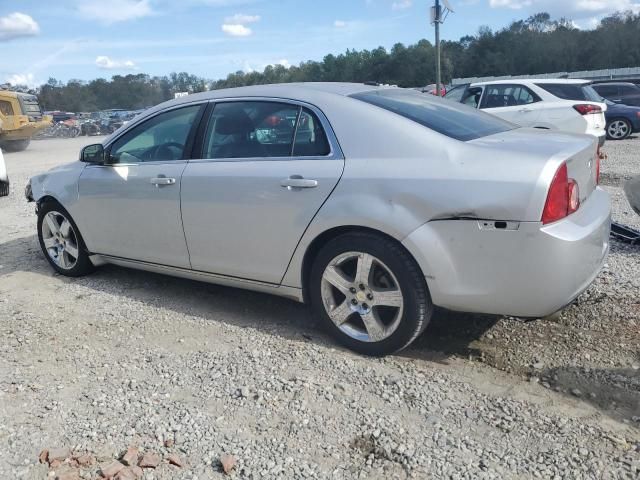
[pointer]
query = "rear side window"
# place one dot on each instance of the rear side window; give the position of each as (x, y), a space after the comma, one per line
(606, 90)
(571, 91)
(311, 141)
(448, 118)
(629, 90)
(260, 129)
(497, 96)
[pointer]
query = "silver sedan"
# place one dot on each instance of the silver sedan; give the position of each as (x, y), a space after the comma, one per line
(371, 204)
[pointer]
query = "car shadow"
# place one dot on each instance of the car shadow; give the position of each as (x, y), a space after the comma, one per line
(447, 334)
(616, 391)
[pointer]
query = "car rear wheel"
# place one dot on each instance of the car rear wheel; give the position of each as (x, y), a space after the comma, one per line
(618, 129)
(61, 242)
(369, 293)
(4, 188)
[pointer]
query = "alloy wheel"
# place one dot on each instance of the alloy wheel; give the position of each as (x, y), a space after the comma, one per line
(60, 240)
(362, 296)
(618, 129)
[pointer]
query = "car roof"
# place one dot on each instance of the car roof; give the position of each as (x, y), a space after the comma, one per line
(531, 81)
(314, 93)
(298, 91)
(614, 83)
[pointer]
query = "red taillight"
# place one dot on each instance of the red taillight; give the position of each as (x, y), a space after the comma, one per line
(563, 198)
(587, 109)
(574, 196)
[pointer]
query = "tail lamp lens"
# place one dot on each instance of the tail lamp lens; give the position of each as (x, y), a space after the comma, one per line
(563, 198)
(587, 109)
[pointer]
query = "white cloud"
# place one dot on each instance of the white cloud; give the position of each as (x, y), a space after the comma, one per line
(27, 79)
(340, 24)
(17, 25)
(114, 11)
(580, 9)
(242, 19)
(236, 30)
(285, 63)
(107, 63)
(402, 4)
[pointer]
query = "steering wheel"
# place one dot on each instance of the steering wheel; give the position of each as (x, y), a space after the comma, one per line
(163, 151)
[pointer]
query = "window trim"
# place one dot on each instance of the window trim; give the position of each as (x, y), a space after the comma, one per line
(188, 148)
(335, 151)
(534, 95)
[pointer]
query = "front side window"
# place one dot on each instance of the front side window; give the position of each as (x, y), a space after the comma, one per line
(162, 138)
(471, 96)
(448, 118)
(261, 129)
(5, 108)
(456, 93)
(497, 96)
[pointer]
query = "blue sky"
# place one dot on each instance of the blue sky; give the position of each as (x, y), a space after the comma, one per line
(87, 39)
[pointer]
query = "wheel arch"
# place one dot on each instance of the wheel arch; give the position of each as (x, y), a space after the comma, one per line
(326, 236)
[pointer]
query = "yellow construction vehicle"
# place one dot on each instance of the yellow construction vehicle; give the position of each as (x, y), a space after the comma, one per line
(20, 119)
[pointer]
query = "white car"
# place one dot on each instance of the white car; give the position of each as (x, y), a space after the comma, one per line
(565, 105)
(4, 178)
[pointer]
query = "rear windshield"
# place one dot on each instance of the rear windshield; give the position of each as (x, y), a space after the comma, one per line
(571, 91)
(443, 116)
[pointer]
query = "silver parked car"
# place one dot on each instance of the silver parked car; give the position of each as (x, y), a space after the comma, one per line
(371, 204)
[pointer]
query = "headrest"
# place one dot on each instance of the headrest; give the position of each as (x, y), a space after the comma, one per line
(235, 122)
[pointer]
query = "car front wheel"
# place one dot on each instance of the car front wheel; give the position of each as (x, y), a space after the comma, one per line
(61, 242)
(369, 293)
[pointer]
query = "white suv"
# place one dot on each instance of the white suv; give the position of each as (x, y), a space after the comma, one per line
(566, 105)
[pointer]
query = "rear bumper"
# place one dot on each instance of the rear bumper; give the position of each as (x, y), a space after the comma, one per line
(529, 270)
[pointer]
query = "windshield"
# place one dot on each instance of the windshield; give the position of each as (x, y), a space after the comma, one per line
(443, 116)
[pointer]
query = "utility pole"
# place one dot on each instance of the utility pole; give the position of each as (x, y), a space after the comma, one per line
(438, 19)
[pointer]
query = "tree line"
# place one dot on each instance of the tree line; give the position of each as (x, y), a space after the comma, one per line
(536, 45)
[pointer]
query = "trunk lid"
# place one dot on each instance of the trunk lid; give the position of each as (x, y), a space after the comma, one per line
(536, 155)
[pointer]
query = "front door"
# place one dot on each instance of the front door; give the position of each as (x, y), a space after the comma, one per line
(130, 207)
(265, 170)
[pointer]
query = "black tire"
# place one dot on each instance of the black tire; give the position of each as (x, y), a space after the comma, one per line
(417, 305)
(83, 265)
(4, 189)
(16, 145)
(629, 129)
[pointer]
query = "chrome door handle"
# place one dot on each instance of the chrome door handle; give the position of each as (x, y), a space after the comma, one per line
(296, 181)
(525, 110)
(158, 181)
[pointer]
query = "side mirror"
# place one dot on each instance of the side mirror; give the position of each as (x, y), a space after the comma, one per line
(92, 154)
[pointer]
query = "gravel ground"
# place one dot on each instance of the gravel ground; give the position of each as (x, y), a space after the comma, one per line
(125, 358)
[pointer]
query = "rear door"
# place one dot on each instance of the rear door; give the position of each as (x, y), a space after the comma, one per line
(265, 169)
(514, 103)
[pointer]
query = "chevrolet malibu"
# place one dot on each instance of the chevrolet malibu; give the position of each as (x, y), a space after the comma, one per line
(371, 204)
